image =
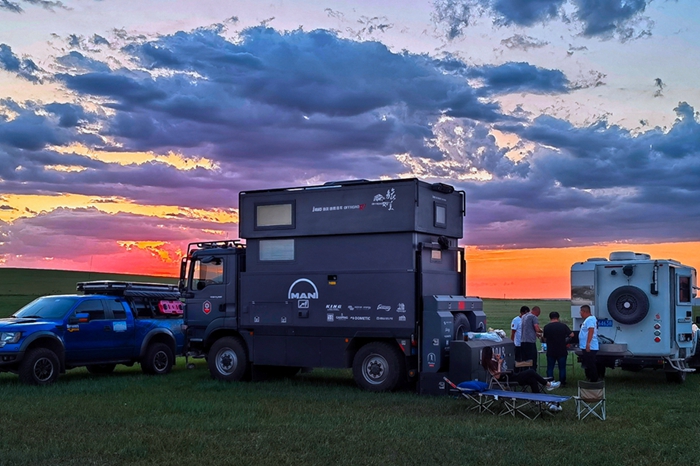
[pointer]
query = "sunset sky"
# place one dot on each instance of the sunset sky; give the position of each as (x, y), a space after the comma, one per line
(128, 127)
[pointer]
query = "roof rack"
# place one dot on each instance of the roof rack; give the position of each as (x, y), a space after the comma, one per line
(130, 289)
(224, 244)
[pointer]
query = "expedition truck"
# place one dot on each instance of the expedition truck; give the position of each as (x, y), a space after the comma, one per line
(359, 274)
(644, 309)
(110, 323)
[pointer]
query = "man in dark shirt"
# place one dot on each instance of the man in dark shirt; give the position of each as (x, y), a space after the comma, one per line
(554, 335)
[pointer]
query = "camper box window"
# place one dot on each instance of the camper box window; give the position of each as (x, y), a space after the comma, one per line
(440, 215)
(274, 216)
(684, 289)
(277, 250)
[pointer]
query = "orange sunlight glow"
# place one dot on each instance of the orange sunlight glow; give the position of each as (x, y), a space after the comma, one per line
(544, 273)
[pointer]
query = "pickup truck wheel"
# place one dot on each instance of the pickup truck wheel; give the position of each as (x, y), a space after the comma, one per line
(159, 359)
(39, 367)
(378, 367)
(228, 360)
(101, 368)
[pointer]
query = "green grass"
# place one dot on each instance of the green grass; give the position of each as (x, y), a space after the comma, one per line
(322, 418)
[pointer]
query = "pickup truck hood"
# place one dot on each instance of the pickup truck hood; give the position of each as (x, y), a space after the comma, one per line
(11, 324)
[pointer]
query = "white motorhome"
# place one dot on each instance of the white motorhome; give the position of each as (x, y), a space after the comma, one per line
(644, 309)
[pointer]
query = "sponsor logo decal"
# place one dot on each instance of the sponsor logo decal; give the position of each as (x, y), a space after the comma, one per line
(385, 318)
(303, 289)
(360, 318)
(401, 308)
(329, 317)
(119, 326)
(338, 208)
(334, 307)
(206, 307)
(383, 307)
(385, 200)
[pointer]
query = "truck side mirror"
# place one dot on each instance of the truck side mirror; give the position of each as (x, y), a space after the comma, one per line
(79, 318)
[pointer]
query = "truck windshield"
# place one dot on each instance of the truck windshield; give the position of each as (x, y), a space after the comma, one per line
(47, 307)
(207, 271)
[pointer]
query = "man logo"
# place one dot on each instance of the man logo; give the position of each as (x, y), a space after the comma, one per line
(303, 289)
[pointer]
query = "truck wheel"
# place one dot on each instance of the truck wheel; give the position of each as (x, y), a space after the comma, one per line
(378, 367)
(628, 305)
(159, 359)
(228, 360)
(101, 368)
(676, 376)
(39, 367)
(461, 326)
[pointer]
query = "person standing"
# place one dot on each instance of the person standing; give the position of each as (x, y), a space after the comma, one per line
(555, 334)
(516, 331)
(530, 332)
(588, 343)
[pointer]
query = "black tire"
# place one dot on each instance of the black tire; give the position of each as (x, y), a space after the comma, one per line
(228, 360)
(461, 326)
(379, 367)
(159, 359)
(101, 368)
(628, 305)
(676, 376)
(40, 366)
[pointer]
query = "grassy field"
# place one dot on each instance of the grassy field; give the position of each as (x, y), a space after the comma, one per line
(322, 418)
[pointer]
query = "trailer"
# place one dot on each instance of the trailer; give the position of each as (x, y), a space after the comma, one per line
(355, 274)
(644, 309)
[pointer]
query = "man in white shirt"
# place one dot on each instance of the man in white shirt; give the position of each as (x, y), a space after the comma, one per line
(588, 343)
(516, 331)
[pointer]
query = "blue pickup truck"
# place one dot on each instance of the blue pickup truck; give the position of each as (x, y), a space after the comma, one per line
(106, 324)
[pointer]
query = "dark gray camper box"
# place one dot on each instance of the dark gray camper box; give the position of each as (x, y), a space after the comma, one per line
(358, 274)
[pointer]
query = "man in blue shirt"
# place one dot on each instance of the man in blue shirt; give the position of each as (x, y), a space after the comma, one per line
(588, 343)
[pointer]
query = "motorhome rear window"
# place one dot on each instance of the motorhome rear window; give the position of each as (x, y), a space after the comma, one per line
(440, 212)
(684, 289)
(277, 250)
(274, 216)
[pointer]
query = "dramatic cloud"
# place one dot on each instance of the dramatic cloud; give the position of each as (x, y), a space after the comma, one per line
(16, 6)
(22, 67)
(597, 18)
(192, 118)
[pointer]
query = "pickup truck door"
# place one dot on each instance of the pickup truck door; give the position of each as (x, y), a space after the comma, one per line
(88, 341)
(123, 332)
(206, 293)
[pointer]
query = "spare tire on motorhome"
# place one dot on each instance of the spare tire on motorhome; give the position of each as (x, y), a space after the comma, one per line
(628, 305)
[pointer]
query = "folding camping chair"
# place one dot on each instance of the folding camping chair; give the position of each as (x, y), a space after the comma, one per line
(473, 393)
(590, 399)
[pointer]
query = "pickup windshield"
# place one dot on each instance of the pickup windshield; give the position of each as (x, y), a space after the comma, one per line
(47, 307)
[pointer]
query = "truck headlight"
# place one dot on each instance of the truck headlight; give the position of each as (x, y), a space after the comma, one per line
(9, 337)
